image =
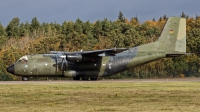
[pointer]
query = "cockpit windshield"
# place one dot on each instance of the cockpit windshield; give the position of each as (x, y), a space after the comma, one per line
(23, 59)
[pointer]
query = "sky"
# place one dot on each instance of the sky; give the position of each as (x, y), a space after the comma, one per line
(70, 10)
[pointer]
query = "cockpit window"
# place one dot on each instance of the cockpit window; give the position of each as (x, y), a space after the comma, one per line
(23, 59)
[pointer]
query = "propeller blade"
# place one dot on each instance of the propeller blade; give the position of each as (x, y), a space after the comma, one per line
(63, 61)
(62, 65)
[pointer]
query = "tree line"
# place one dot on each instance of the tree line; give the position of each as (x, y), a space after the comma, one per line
(18, 39)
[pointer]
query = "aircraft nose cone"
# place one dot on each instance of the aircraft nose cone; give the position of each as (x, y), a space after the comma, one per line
(11, 69)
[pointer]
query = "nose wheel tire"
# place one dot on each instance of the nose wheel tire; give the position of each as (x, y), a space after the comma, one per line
(25, 78)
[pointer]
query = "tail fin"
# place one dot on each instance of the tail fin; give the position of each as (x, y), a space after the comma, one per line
(172, 39)
(173, 36)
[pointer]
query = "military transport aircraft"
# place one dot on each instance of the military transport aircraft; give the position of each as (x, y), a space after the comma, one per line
(99, 63)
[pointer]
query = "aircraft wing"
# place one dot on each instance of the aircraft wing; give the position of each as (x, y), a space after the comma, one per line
(112, 51)
(98, 52)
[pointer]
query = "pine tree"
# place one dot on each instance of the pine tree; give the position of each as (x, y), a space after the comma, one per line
(2, 30)
(121, 17)
(165, 17)
(136, 18)
(35, 24)
(13, 28)
(183, 15)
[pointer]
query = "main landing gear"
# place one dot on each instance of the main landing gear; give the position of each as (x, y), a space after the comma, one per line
(75, 78)
(85, 78)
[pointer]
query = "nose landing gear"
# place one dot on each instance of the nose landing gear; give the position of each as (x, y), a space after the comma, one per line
(25, 78)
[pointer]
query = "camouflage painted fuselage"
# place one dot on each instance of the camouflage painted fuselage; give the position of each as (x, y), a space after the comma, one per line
(171, 43)
(50, 64)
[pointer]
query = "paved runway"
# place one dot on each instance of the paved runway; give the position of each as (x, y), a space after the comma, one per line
(110, 80)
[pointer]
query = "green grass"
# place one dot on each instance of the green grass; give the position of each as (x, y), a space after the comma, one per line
(101, 97)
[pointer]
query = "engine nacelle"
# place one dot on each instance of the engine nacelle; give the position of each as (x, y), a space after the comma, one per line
(74, 57)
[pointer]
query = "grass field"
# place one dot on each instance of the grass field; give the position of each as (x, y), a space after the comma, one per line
(101, 97)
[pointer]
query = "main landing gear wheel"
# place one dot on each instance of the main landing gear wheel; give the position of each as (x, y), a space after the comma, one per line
(76, 78)
(92, 78)
(84, 78)
(25, 78)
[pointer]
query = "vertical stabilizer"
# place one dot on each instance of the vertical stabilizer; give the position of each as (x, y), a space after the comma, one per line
(172, 39)
(173, 36)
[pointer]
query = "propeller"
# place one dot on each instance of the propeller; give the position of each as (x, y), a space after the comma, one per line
(63, 56)
(64, 61)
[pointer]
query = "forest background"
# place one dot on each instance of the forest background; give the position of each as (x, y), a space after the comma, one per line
(18, 39)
